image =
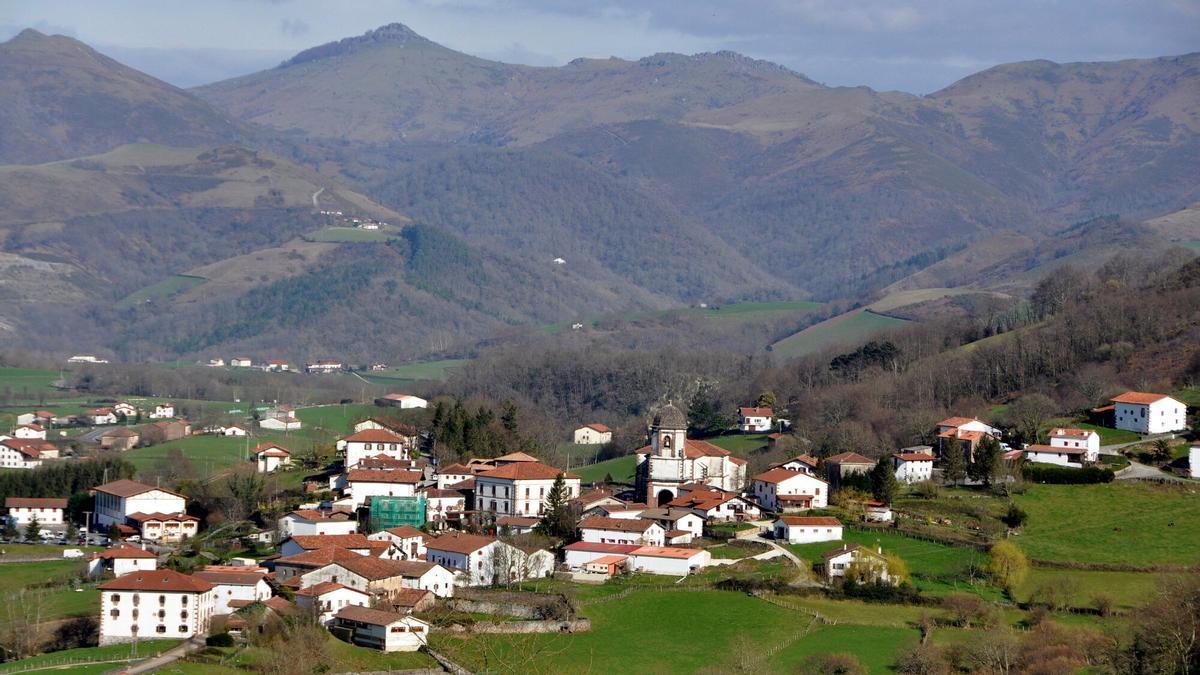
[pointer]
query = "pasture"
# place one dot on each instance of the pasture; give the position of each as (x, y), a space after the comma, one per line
(740, 444)
(161, 290)
(337, 235)
(417, 371)
(621, 469)
(844, 330)
(104, 659)
(1121, 522)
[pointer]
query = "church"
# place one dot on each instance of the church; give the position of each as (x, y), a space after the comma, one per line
(673, 460)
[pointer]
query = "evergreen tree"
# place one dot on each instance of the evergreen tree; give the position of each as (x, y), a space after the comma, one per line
(556, 522)
(954, 462)
(883, 480)
(509, 416)
(767, 399)
(33, 531)
(7, 531)
(987, 461)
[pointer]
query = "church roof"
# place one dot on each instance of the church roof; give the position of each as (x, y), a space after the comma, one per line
(669, 417)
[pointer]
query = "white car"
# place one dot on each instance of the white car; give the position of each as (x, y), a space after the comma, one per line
(72, 553)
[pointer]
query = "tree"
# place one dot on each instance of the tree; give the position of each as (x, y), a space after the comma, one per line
(954, 462)
(767, 400)
(508, 417)
(33, 530)
(1167, 631)
(922, 659)
(987, 462)
(1161, 450)
(897, 569)
(557, 522)
(1007, 565)
(831, 664)
(883, 480)
(1014, 518)
(1029, 414)
(7, 531)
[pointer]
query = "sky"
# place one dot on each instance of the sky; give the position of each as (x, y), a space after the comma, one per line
(917, 46)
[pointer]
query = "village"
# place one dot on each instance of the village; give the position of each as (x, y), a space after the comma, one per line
(394, 547)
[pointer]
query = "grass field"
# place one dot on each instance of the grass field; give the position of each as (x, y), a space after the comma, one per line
(27, 383)
(1128, 589)
(842, 330)
(740, 312)
(740, 444)
(1120, 522)
(1108, 436)
(172, 285)
(874, 646)
(621, 469)
(56, 661)
(15, 576)
(349, 234)
(904, 298)
(414, 372)
(208, 454)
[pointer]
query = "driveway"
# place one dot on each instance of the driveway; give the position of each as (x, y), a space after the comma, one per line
(1137, 470)
(164, 659)
(805, 578)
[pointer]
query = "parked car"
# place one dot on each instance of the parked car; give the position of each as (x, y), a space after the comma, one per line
(72, 553)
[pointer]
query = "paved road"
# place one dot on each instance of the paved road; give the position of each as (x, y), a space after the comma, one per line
(166, 658)
(1138, 470)
(1115, 448)
(805, 578)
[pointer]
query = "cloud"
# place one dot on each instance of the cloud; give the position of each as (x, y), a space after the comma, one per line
(293, 27)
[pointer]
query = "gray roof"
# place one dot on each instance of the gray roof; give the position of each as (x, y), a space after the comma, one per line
(669, 417)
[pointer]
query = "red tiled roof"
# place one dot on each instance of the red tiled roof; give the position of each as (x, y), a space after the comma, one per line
(780, 475)
(811, 521)
(616, 524)
(124, 552)
(1138, 398)
(270, 450)
(667, 552)
(596, 426)
(228, 577)
(161, 517)
(456, 468)
(956, 421)
(799, 499)
(1072, 433)
(314, 514)
(671, 534)
(129, 488)
(319, 557)
(849, 458)
(593, 547)
(374, 476)
(756, 412)
(373, 436)
(524, 470)
(312, 542)
(374, 569)
(516, 457)
(516, 521)
(317, 590)
(374, 617)
(1037, 447)
(458, 542)
(157, 581)
(914, 457)
(408, 597)
(405, 531)
(34, 503)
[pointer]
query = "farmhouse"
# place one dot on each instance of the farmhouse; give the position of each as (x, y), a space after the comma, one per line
(268, 457)
(120, 560)
(578, 554)
(167, 527)
(870, 562)
(282, 418)
(293, 570)
(18, 454)
(118, 500)
(877, 512)
(372, 443)
(1145, 413)
(592, 434)
(667, 560)
(483, 561)
(244, 584)
(164, 431)
(327, 598)
(673, 460)
(24, 510)
(119, 439)
(402, 401)
(807, 530)
(29, 432)
(443, 506)
(162, 411)
(680, 524)
(805, 463)
(755, 420)
(323, 367)
(100, 416)
(520, 488)
(383, 578)
(1049, 454)
(154, 604)
(312, 521)
(843, 465)
(367, 483)
(913, 465)
(716, 505)
(635, 531)
(240, 362)
(408, 540)
(377, 629)
(233, 430)
(278, 366)
(781, 490)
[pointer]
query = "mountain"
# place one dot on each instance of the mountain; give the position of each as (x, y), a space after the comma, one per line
(64, 99)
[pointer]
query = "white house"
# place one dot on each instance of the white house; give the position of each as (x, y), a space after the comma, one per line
(755, 420)
(154, 604)
(27, 418)
(806, 529)
(913, 465)
(100, 416)
(217, 362)
(592, 434)
(1086, 439)
(1194, 461)
(323, 367)
(668, 560)
(233, 430)
(520, 488)
(299, 543)
(46, 511)
(1049, 454)
(18, 454)
(116, 501)
(483, 561)
(407, 539)
(402, 401)
(162, 411)
(578, 554)
(517, 524)
(327, 598)
(125, 409)
(782, 490)
(166, 527)
(1149, 413)
(121, 560)
(281, 422)
(453, 474)
(385, 577)
(30, 432)
(385, 631)
(235, 585)
(835, 563)
(312, 521)
(86, 358)
(676, 522)
(366, 483)
(372, 443)
(635, 531)
(717, 505)
(240, 362)
(268, 457)
(877, 512)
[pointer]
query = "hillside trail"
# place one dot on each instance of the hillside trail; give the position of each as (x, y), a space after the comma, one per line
(314, 198)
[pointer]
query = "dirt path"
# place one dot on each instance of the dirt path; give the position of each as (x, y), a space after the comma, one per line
(314, 198)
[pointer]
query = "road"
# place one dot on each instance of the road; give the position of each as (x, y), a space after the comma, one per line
(164, 659)
(1137, 470)
(314, 198)
(805, 578)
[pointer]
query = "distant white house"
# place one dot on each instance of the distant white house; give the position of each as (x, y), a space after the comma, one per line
(282, 418)
(328, 598)
(668, 560)
(1049, 454)
(754, 420)
(235, 586)
(385, 631)
(403, 401)
(241, 362)
(20, 454)
(367, 443)
(781, 490)
(483, 561)
(216, 363)
(834, 564)
(163, 411)
(118, 500)
(806, 529)
(307, 522)
(30, 432)
(592, 434)
(86, 358)
(125, 409)
(121, 560)
(634, 531)
(268, 457)
(324, 367)
(1077, 439)
(913, 465)
(233, 430)
(100, 416)
(46, 511)
(1146, 413)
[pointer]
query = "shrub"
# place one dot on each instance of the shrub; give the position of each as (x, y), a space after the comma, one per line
(1061, 475)
(219, 640)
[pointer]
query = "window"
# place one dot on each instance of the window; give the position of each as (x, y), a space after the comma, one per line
(116, 597)
(183, 615)
(399, 629)
(162, 599)
(183, 629)
(160, 628)
(135, 614)
(115, 613)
